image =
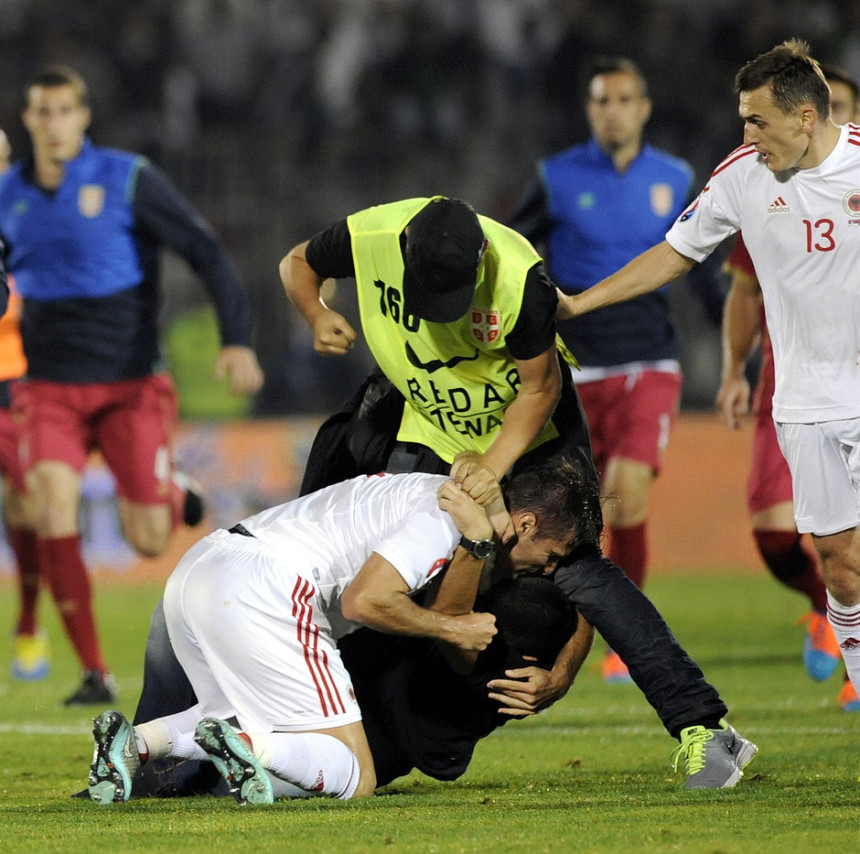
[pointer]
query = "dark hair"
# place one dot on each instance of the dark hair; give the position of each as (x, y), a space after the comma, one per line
(615, 65)
(562, 497)
(533, 616)
(793, 75)
(835, 74)
(53, 76)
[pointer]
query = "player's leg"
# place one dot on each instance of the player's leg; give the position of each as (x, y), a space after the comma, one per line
(54, 434)
(280, 674)
(840, 566)
(631, 417)
(31, 652)
(785, 552)
(671, 681)
(135, 436)
(825, 465)
(334, 762)
(166, 689)
(30, 644)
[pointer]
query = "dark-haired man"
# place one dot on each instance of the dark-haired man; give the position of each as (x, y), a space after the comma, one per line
(592, 208)
(84, 227)
(793, 189)
(460, 315)
(254, 614)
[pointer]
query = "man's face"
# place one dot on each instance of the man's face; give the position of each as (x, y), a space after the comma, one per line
(56, 121)
(841, 103)
(531, 553)
(781, 139)
(617, 110)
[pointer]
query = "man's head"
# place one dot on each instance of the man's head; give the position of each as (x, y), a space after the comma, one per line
(617, 105)
(555, 508)
(444, 248)
(785, 104)
(844, 94)
(533, 616)
(56, 114)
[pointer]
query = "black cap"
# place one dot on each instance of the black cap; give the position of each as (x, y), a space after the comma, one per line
(444, 246)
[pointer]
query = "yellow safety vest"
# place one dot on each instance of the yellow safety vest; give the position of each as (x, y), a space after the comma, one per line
(457, 378)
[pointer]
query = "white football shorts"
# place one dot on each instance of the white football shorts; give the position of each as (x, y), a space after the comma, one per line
(248, 629)
(824, 459)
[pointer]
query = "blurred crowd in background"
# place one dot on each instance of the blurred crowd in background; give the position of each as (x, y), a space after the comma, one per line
(277, 117)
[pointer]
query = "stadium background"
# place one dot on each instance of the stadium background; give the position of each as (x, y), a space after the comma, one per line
(276, 117)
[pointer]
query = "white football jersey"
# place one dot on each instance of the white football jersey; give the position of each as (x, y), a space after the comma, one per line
(802, 230)
(395, 515)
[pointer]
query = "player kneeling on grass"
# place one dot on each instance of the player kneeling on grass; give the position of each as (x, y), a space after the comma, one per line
(254, 614)
(418, 712)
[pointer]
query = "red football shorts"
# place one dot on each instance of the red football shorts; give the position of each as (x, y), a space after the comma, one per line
(631, 415)
(769, 480)
(10, 461)
(131, 422)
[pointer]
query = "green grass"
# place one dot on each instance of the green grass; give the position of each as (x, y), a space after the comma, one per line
(591, 774)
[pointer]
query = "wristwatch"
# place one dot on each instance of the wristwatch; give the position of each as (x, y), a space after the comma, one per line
(480, 549)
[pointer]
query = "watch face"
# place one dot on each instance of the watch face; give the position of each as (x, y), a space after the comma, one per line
(484, 548)
(481, 549)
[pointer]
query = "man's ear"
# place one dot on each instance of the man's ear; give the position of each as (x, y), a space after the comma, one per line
(808, 119)
(525, 523)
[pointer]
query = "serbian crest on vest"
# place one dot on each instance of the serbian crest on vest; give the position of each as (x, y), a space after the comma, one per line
(91, 200)
(485, 323)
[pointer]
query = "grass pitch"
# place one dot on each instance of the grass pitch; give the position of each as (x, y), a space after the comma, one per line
(591, 774)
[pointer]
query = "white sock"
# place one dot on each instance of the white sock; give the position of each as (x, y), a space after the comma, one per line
(317, 763)
(846, 626)
(171, 736)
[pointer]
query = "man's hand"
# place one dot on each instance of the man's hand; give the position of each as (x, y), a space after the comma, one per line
(470, 473)
(480, 482)
(566, 308)
(469, 517)
(526, 691)
(333, 336)
(471, 632)
(241, 366)
(733, 401)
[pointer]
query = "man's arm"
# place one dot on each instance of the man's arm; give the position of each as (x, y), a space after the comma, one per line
(162, 211)
(534, 404)
(741, 320)
(654, 268)
(333, 335)
(378, 598)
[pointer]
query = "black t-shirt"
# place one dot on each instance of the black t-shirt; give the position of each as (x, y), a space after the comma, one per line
(329, 254)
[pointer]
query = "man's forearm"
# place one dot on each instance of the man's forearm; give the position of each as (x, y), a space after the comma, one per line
(526, 416)
(569, 661)
(301, 283)
(740, 329)
(651, 270)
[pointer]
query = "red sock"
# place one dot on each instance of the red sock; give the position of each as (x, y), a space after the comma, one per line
(793, 563)
(67, 576)
(628, 549)
(24, 545)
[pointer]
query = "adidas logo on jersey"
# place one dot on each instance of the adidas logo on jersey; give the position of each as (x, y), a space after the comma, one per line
(779, 206)
(850, 643)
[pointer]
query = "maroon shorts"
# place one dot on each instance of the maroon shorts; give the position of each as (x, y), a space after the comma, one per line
(10, 460)
(631, 415)
(769, 480)
(131, 422)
